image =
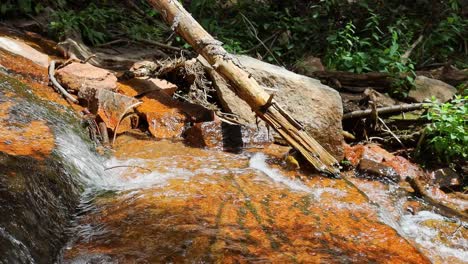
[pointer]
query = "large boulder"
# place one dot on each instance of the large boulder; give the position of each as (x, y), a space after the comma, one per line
(425, 88)
(317, 106)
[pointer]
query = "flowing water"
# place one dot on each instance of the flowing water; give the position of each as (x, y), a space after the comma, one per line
(163, 202)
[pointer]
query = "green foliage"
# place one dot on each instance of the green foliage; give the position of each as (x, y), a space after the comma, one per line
(14, 7)
(347, 51)
(448, 37)
(97, 24)
(90, 22)
(357, 36)
(447, 135)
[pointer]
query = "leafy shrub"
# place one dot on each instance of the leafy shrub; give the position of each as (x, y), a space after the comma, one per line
(447, 135)
(97, 23)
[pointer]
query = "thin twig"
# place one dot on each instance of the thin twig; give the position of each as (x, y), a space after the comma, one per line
(57, 85)
(407, 54)
(264, 41)
(390, 131)
(113, 42)
(255, 34)
(128, 166)
(122, 116)
(161, 45)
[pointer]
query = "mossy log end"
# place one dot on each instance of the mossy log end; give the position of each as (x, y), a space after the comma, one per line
(245, 86)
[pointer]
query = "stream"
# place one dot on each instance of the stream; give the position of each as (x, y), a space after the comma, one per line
(164, 202)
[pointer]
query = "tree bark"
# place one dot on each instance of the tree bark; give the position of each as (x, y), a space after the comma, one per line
(245, 86)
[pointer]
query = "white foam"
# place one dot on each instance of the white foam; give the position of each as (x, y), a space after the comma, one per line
(124, 179)
(23, 250)
(88, 164)
(427, 237)
(258, 162)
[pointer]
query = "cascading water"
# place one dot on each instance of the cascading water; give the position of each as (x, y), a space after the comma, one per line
(159, 201)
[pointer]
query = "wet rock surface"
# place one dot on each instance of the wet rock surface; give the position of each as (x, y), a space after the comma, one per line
(374, 170)
(161, 201)
(210, 206)
(447, 179)
(38, 192)
(223, 136)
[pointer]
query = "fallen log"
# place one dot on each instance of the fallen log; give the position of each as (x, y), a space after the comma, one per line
(245, 87)
(353, 81)
(385, 110)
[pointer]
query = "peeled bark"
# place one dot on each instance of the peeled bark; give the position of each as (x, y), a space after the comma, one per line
(245, 86)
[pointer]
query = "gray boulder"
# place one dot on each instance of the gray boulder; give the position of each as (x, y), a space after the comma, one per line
(317, 106)
(424, 88)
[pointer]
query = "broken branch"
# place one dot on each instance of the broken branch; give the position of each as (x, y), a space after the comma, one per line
(245, 87)
(57, 85)
(385, 110)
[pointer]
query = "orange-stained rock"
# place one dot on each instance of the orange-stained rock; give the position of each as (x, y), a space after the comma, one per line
(110, 107)
(219, 135)
(83, 77)
(33, 139)
(34, 76)
(209, 206)
(165, 118)
(135, 87)
(405, 168)
(412, 207)
(145, 85)
(370, 152)
(375, 153)
(205, 134)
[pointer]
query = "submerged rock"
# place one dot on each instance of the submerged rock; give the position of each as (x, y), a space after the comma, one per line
(425, 88)
(378, 171)
(316, 106)
(208, 206)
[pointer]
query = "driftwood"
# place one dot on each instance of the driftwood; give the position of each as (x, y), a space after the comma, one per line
(245, 87)
(385, 110)
(57, 85)
(446, 209)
